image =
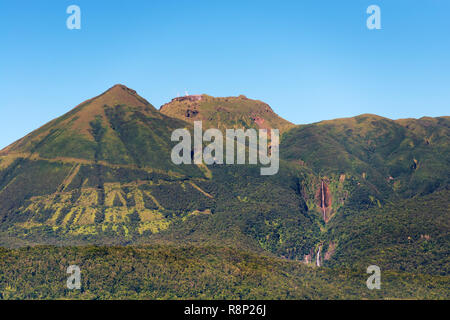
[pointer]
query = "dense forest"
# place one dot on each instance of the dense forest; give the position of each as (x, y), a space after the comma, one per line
(169, 272)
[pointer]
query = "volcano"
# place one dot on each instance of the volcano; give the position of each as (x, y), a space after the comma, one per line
(347, 189)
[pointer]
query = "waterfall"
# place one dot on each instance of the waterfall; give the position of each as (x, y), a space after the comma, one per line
(318, 256)
(323, 204)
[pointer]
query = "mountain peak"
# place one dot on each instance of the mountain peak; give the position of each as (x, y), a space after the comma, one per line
(225, 112)
(75, 128)
(120, 94)
(118, 87)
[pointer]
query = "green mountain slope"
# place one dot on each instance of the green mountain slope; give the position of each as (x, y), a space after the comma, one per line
(253, 212)
(412, 154)
(385, 186)
(117, 127)
(411, 235)
(91, 169)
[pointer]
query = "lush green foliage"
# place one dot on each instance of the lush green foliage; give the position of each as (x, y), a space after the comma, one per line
(167, 272)
(408, 235)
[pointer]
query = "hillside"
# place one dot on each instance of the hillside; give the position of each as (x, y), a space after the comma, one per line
(92, 168)
(376, 158)
(409, 235)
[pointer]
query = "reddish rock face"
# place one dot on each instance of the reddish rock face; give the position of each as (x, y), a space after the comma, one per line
(259, 121)
(307, 258)
(323, 200)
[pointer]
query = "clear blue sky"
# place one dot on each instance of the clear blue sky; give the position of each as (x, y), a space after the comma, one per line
(310, 60)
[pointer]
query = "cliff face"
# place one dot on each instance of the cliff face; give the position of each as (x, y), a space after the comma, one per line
(324, 200)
